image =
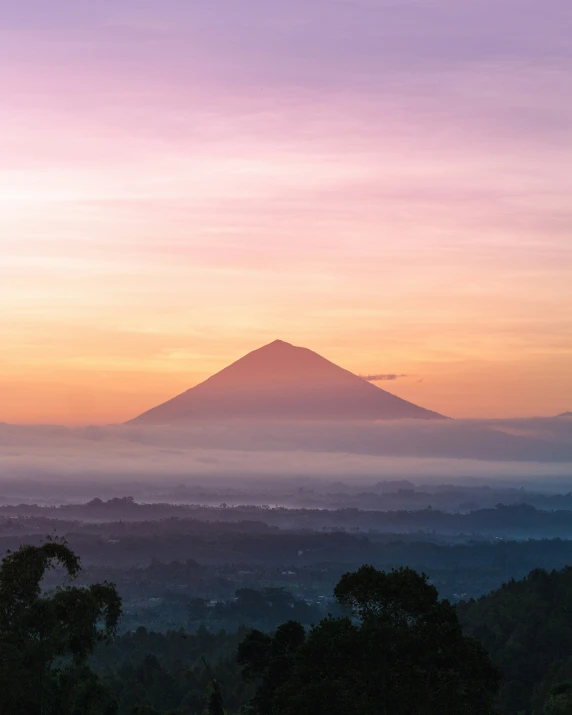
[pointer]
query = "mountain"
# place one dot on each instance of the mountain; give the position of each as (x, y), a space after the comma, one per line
(283, 382)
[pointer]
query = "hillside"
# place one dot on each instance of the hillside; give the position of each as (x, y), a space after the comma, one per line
(526, 627)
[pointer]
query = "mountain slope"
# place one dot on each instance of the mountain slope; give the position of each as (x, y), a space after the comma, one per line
(284, 382)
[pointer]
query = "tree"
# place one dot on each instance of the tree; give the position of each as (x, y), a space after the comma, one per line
(214, 700)
(559, 701)
(250, 602)
(270, 662)
(46, 637)
(398, 651)
(526, 627)
(198, 609)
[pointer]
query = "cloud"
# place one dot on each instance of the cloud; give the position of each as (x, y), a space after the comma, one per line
(383, 376)
(103, 460)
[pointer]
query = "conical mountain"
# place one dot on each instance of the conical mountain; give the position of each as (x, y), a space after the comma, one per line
(283, 382)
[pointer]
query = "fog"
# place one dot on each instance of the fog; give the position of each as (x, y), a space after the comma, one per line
(527, 452)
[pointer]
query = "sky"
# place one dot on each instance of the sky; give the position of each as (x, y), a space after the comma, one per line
(385, 182)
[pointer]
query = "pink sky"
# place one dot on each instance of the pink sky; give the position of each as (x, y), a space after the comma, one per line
(386, 183)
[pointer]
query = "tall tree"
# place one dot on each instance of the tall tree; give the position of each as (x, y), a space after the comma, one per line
(46, 637)
(214, 700)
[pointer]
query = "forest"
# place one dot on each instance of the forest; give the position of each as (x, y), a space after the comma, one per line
(389, 645)
(161, 565)
(517, 517)
(123, 607)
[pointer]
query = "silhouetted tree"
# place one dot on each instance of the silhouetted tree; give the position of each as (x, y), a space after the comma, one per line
(526, 627)
(214, 700)
(45, 638)
(399, 651)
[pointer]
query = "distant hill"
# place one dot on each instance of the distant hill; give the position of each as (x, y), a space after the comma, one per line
(283, 382)
(565, 414)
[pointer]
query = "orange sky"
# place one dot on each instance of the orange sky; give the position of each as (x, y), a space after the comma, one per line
(179, 186)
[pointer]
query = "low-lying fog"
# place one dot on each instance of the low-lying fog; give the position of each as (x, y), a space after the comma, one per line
(528, 452)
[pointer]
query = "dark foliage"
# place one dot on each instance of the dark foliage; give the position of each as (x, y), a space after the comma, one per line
(174, 672)
(45, 638)
(526, 626)
(400, 651)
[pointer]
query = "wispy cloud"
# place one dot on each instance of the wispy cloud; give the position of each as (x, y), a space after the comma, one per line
(383, 376)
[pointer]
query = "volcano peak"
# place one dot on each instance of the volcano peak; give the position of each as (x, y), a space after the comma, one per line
(285, 382)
